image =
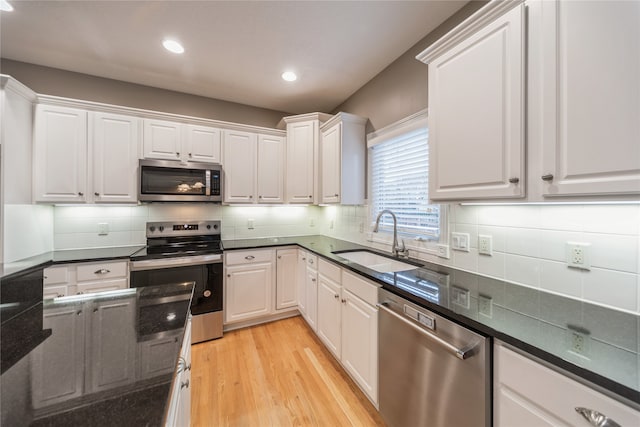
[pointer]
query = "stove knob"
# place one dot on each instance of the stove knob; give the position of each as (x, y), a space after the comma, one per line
(215, 227)
(207, 293)
(208, 226)
(161, 228)
(152, 228)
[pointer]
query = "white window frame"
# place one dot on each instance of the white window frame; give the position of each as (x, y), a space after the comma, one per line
(419, 243)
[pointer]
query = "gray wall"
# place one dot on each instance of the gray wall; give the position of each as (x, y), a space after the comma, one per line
(400, 89)
(53, 81)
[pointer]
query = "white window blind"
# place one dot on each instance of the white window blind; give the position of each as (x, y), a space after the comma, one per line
(399, 182)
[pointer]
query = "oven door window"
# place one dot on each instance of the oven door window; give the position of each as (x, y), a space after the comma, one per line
(172, 181)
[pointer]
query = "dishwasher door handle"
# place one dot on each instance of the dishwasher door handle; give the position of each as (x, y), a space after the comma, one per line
(461, 354)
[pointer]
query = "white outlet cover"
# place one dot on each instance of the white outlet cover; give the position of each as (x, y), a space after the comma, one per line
(578, 255)
(443, 251)
(485, 244)
(103, 228)
(250, 224)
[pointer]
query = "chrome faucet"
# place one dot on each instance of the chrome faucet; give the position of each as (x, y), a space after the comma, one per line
(397, 250)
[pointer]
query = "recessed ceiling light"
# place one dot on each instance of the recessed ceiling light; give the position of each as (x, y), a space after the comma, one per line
(5, 6)
(172, 46)
(289, 76)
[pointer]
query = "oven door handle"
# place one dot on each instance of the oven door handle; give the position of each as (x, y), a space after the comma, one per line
(156, 264)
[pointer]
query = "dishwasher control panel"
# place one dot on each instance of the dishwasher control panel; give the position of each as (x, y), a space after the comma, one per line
(428, 321)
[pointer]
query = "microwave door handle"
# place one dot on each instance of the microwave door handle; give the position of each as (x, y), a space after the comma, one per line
(207, 179)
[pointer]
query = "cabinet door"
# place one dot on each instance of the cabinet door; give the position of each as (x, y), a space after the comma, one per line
(360, 343)
(270, 180)
(158, 356)
(58, 363)
(60, 150)
(329, 318)
(476, 107)
(248, 291)
(301, 138)
(330, 165)
(113, 344)
(239, 166)
(115, 141)
(162, 140)
(591, 98)
(202, 144)
(286, 286)
(301, 281)
(312, 297)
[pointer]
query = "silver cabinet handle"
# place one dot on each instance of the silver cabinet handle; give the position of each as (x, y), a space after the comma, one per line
(228, 275)
(79, 312)
(251, 196)
(80, 193)
(190, 155)
(514, 180)
(310, 197)
(102, 271)
(304, 259)
(595, 418)
(336, 195)
(313, 279)
(177, 154)
(96, 194)
(459, 353)
(310, 261)
(336, 296)
(249, 257)
(184, 384)
(547, 177)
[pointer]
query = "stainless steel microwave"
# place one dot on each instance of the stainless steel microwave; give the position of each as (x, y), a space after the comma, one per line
(172, 181)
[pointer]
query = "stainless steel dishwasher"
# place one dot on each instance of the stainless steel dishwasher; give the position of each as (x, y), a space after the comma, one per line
(432, 372)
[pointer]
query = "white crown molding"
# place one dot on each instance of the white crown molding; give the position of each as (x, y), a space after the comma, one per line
(9, 83)
(149, 114)
(343, 117)
(401, 126)
(321, 117)
(478, 20)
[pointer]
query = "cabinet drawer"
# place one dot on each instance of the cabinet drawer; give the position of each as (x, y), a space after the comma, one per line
(329, 270)
(100, 271)
(363, 289)
(312, 261)
(54, 291)
(56, 275)
(102, 286)
(248, 257)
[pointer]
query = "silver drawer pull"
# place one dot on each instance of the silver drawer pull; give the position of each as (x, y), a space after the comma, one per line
(102, 271)
(461, 354)
(547, 177)
(185, 384)
(596, 419)
(249, 257)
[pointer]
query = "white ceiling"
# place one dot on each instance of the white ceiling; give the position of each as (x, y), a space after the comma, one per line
(235, 50)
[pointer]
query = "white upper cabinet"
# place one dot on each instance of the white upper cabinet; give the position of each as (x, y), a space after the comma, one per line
(302, 157)
(342, 160)
(168, 140)
(254, 168)
(271, 168)
(60, 155)
(239, 166)
(476, 107)
(115, 141)
(588, 87)
(202, 144)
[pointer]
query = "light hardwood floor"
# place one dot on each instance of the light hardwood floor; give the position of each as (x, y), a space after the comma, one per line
(276, 374)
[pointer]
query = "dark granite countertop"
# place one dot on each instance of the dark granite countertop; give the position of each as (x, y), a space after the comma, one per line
(538, 322)
(69, 256)
(101, 359)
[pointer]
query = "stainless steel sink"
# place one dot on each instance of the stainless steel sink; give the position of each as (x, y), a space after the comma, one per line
(376, 262)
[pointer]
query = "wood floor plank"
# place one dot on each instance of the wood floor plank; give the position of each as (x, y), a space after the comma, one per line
(276, 374)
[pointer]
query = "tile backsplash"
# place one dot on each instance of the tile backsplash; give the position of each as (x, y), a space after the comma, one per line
(529, 242)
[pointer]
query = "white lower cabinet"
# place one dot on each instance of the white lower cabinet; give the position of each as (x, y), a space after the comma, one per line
(157, 356)
(179, 412)
(311, 291)
(249, 277)
(527, 393)
(286, 275)
(348, 324)
(301, 282)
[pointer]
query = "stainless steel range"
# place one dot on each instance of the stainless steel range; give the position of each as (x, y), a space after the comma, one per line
(182, 253)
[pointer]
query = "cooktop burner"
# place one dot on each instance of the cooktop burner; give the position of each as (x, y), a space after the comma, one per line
(168, 239)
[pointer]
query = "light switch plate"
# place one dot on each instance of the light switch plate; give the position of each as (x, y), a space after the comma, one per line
(460, 296)
(461, 242)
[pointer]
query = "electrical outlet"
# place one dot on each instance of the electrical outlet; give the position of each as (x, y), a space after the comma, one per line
(250, 224)
(485, 244)
(578, 341)
(361, 227)
(312, 222)
(331, 225)
(103, 228)
(578, 255)
(443, 251)
(485, 306)
(460, 241)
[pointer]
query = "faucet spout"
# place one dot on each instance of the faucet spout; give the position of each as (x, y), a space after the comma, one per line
(396, 249)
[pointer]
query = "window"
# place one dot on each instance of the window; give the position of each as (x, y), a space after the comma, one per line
(399, 166)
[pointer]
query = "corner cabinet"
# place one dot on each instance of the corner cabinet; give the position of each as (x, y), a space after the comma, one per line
(589, 93)
(476, 107)
(303, 136)
(342, 160)
(527, 393)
